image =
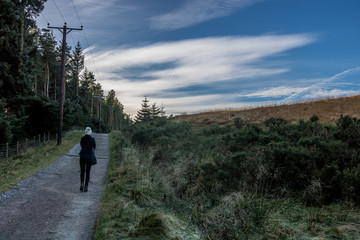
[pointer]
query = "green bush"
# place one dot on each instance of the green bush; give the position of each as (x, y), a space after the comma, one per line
(225, 177)
(298, 160)
(239, 123)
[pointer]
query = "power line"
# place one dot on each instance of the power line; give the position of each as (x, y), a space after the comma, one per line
(92, 57)
(73, 40)
(40, 12)
(76, 12)
(59, 11)
(44, 17)
(87, 42)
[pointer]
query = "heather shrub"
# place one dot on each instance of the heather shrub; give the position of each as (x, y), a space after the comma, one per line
(224, 175)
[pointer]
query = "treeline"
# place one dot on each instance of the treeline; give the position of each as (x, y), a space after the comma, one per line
(30, 60)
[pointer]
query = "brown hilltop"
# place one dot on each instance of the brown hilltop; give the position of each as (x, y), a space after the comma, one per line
(328, 110)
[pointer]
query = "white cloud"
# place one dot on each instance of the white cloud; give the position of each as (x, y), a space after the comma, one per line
(320, 93)
(194, 12)
(95, 8)
(274, 92)
(156, 69)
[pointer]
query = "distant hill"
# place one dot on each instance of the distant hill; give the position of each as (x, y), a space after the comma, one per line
(328, 110)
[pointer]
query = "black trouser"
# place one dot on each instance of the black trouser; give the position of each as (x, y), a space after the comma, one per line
(85, 166)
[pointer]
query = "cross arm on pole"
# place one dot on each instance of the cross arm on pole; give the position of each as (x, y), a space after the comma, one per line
(68, 30)
(64, 30)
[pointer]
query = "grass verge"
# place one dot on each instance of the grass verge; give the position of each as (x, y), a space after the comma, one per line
(13, 170)
(136, 203)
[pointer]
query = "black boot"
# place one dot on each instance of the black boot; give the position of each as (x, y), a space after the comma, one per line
(86, 188)
(82, 186)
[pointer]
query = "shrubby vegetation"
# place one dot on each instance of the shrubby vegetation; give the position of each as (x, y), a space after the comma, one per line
(318, 163)
(232, 180)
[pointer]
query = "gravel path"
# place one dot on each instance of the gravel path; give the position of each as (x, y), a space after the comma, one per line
(49, 205)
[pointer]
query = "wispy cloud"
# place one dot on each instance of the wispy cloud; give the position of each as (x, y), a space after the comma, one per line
(321, 93)
(155, 69)
(93, 8)
(274, 92)
(194, 12)
(316, 90)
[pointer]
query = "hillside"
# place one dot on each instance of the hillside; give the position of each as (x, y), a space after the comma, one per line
(328, 110)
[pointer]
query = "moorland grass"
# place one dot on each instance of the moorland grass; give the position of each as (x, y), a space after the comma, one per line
(15, 169)
(163, 177)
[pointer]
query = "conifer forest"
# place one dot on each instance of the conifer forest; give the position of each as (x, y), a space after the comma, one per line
(30, 76)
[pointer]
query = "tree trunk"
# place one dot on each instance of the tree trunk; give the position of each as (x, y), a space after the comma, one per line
(47, 77)
(92, 105)
(22, 32)
(55, 87)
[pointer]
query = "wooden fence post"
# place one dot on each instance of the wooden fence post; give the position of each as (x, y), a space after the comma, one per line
(39, 139)
(7, 150)
(44, 137)
(34, 142)
(17, 148)
(26, 143)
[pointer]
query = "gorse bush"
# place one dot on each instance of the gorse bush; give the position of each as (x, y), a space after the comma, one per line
(310, 161)
(146, 134)
(279, 158)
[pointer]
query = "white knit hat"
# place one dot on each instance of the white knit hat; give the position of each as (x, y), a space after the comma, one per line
(88, 130)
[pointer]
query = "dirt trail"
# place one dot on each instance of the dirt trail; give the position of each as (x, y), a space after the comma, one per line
(49, 204)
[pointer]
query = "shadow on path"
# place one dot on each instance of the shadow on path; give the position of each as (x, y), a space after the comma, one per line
(49, 204)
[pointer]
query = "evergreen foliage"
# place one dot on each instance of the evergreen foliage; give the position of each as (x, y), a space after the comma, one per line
(76, 63)
(148, 112)
(154, 111)
(30, 61)
(144, 114)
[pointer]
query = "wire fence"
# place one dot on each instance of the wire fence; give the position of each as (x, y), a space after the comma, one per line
(14, 149)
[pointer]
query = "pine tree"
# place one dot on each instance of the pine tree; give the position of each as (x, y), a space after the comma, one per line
(87, 83)
(29, 62)
(77, 65)
(154, 111)
(144, 114)
(18, 47)
(10, 50)
(48, 44)
(111, 102)
(162, 112)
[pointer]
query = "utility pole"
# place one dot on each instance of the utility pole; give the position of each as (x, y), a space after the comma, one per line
(64, 30)
(100, 98)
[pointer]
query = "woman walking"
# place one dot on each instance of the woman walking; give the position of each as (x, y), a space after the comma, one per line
(88, 146)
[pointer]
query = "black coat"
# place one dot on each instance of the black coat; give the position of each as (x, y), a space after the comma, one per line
(87, 144)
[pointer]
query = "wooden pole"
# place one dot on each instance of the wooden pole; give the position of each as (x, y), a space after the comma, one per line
(64, 30)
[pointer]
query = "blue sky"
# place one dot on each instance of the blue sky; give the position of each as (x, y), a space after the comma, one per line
(198, 55)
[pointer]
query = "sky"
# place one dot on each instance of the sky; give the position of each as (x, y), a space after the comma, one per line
(201, 55)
